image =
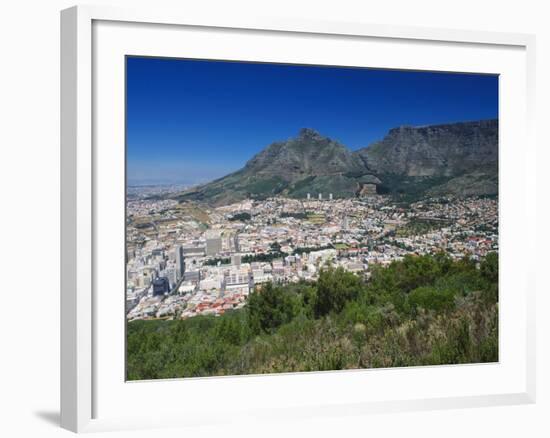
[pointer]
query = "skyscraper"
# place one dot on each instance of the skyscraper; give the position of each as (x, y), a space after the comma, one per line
(180, 261)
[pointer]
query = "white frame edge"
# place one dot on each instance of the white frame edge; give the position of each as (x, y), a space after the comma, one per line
(77, 196)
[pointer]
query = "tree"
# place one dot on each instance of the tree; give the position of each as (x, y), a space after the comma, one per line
(335, 288)
(271, 307)
(489, 267)
(430, 298)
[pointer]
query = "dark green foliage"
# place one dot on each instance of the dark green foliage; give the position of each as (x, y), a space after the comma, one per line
(409, 188)
(423, 310)
(240, 217)
(430, 298)
(264, 257)
(335, 287)
(215, 261)
(295, 215)
(271, 308)
(300, 250)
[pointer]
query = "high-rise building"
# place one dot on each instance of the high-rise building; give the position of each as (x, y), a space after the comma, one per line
(180, 261)
(330, 196)
(171, 274)
(161, 286)
(213, 242)
(320, 196)
(308, 196)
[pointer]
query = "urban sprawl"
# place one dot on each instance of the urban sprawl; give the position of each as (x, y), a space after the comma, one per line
(187, 259)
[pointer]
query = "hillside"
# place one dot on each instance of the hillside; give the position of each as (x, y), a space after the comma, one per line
(426, 310)
(460, 159)
(308, 163)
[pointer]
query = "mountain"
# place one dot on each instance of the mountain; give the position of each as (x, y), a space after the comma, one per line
(308, 163)
(459, 158)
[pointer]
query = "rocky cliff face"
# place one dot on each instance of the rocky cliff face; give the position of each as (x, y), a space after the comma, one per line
(440, 150)
(459, 158)
(307, 154)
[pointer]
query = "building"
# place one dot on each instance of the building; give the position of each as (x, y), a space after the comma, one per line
(345, 223)
(171, 274)
(161, 286)
(320, 196)
(213, 243)
(330, 196)
(237, 280)
(193, 251)
(180, 261)
(308, 196)
(193, 276)
(236, 259)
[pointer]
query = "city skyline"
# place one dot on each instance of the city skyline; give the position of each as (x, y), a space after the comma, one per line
(181, 113)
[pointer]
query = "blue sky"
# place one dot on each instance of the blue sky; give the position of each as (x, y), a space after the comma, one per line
(191, 121)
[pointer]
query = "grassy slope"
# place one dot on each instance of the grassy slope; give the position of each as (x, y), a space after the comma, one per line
(424, 310)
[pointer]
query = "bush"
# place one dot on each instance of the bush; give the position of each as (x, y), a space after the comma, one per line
(335, 288)
(423, 310)
(430, 298)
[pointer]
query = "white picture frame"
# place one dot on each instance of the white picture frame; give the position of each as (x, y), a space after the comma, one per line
(83, 189)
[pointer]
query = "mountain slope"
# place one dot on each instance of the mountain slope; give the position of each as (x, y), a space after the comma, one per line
(308, 163)
(439, 150)
(459, 158)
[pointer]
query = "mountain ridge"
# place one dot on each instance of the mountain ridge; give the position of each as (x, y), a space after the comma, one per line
(409, 161)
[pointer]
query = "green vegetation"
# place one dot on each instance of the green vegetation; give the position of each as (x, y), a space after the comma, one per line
(240, 217)
(300, 250)
(423, 310)
(316, 218)
(416, 227)
(341, 246)
(296, 215)
(409, 188)
(274, 254)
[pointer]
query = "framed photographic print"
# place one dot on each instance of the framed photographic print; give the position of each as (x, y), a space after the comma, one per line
(259, 208)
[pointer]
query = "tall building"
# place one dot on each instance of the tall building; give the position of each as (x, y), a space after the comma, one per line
(330, 196)
(161, 286)
(320, 196)
(213, 242)
(308, 196)
(171, 274)
(180, 261)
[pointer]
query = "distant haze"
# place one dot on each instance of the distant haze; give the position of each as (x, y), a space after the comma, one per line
(189, 122)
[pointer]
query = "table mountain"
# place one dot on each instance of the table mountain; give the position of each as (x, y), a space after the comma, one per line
(459, 158)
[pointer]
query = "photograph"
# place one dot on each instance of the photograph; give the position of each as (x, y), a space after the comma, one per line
(285, 218)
